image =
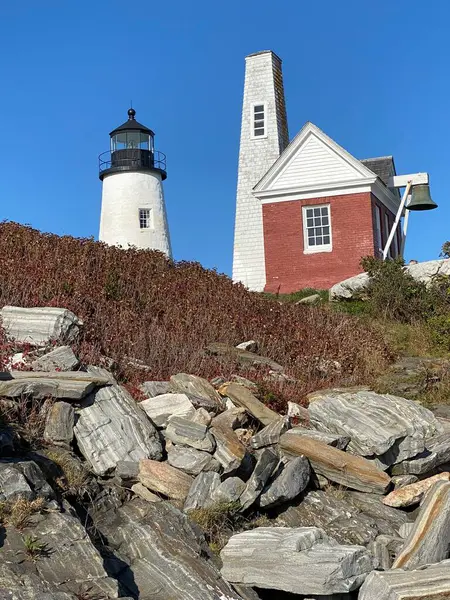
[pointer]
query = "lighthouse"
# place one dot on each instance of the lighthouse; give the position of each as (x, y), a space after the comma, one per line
(133, 210)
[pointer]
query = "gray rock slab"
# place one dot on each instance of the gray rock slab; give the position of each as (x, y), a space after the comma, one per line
(164, 479)
(440, 446)
(196, 387)
(244, 357)
(13, 484)
(230, 452)
(228, 491)
(400, 481)
(303, 560)
(234, 418)
(428, 541)
(337, 441)
(42, 388)
(289, 481)
(375, 422)
(388, 519)
(60, 423)
(144, 493)
(201, 490)
(270, 434)
(127, 470)
(168, 557)
(187, 433)
(423, 463)
(384, 549)
(155, 388)
(201, 416)
(112, 427)
(429, 583)
(242, 396)
(70, 561)
(264, 468)
(61, 358)
(40, 326)
(347, 288)
(335, 515)
(190, 460)
(160, 408)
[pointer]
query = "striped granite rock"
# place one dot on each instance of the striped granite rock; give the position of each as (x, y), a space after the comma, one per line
(264, 468)
(112, 427)
(287, 482)
(199, 390)
(155, 388)
(201, 491)
(160, 408)
(186, 433)
(164, 479)
(59, 359)
(230, 452)
(428, 541)
(190, 460)
(302, 561)
(390, 428)
(270, 434)
(429, 583)
(40, 326)
(69, 385)
(338, 441)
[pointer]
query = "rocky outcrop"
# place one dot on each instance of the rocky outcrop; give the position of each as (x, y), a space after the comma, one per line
(163, 555)
(424, 271)
(112, 427)
(40, 326)
(312, 562)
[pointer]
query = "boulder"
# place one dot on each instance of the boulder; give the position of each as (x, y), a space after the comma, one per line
(59, 359)
(303, 560)
(348, 288)
(39, 326)
(112, 427)
(428, 541)
(202, 490)
(390, 428)
(351, 471)
(187, 433)
(229, 491)
(242, 396)
(199, 390)
(60, 423)
(287, 483)
(230, 452)
(155, 388)
(264, 468)
(191, 461)
(413, 493)
(160, 408)
(68, 560)
(270, 434)
(428, 583)
(14, 485)
(163, 478)
(241, 356)
(423, 463)
(167, 556)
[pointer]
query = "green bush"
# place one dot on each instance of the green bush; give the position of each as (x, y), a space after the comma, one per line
(393, 293)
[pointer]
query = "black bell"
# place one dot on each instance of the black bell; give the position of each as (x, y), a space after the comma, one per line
(421, 199)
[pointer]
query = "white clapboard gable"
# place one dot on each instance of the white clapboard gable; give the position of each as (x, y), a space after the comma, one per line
(312, 159)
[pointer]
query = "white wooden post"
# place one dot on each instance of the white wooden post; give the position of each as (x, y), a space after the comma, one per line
(397, 220)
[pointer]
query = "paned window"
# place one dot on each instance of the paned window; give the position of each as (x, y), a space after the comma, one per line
(378, 236)
(259, 127)
(144, 218)
(317, 228)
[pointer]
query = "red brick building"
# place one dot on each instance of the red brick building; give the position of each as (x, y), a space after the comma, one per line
(307, 211)
(323, 210)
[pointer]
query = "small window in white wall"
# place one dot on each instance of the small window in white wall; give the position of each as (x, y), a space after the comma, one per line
(317, 228)
(259, 120)
(144, 218)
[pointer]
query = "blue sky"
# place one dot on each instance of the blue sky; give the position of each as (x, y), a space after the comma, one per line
(373, 75)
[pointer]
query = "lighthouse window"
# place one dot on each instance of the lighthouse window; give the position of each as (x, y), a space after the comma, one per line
(259, 125)
(144, 218)
(317, 228)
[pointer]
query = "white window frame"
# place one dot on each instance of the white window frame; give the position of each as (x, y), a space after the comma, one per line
(148, 218)
(378, 230)
(323, 247)
(252, 121)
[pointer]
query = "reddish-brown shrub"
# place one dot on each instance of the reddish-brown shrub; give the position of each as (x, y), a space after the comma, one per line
(136, 304)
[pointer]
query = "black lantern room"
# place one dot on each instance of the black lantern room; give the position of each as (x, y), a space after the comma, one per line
(132, 149)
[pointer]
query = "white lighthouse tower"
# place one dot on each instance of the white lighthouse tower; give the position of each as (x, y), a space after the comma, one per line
(133, 209)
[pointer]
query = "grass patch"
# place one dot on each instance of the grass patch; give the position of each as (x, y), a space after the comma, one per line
(294, 297)
(18, 512)
(34, 548)
(74, 476)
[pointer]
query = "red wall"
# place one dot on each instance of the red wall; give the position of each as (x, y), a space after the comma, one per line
(288, 269)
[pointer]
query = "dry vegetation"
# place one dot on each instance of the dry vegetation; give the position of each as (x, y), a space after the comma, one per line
(136, 304)
(18, 512)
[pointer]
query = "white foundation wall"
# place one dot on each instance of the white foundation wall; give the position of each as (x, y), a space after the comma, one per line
(123, 194)
(263, 85)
